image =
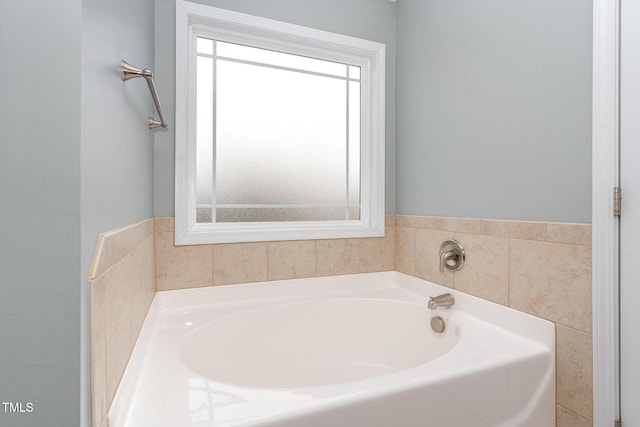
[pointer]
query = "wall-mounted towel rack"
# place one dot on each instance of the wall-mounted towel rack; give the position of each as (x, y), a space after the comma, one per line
(130, 72)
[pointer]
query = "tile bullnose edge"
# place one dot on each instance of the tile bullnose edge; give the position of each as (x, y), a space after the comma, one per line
(116, 244)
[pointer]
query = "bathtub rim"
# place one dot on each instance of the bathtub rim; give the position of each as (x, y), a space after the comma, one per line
(518, 322)
(535, 329)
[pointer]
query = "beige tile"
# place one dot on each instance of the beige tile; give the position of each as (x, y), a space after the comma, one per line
(114, 245)
(179, 267)
(462, 225)
(291, 260)
(388, 256)
(465, 225)
(96, 268)
(120, 336)
(486, 270)
(120, 298)
(147, 229)
(515, 229)
(150, 270)
(336, 256)
(551, 280)
(239, 263)
(390, 220)
(577, 234)
(144, 285)
(164, 225)
(574, 370)
(566, 418)
(405, 250)
(412, 221)
(428, 257)
(378, 253)
(98, 351)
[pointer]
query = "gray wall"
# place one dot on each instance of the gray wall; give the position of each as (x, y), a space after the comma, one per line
(493, 101)
(39, 214)
(116, 144)
(494, 109)
(76, 159)
(368, 19)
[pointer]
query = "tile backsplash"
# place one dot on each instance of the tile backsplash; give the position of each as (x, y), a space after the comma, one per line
(122, 285)
(540, 268)
(181, 267)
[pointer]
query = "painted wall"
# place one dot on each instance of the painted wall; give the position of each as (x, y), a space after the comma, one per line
(76, 159)
(116, 144)
(494, 109)
(39, 218)
(368, 19)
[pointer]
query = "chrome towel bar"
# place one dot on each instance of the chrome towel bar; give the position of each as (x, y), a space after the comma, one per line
(130, 72)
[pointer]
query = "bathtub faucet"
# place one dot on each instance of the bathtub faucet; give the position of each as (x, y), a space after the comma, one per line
(444, 300)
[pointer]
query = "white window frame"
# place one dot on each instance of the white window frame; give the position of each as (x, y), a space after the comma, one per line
(199, 20)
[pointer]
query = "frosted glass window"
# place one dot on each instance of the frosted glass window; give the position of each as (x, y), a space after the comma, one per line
(277, 136)
(279, 130)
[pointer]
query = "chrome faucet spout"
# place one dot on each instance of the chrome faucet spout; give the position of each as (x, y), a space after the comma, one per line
(444, 300)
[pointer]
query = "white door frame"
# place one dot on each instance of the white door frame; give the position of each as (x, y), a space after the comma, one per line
(606, 26)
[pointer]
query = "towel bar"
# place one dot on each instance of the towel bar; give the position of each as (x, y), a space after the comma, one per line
(130, 72)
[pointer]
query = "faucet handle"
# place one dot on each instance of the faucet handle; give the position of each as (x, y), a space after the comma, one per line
(452, 255)
(443, 300)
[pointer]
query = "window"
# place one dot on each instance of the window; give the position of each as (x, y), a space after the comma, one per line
(279, 130)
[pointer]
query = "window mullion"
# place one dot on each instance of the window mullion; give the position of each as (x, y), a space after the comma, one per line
(214, 135)
(283, 68)
(347, 147)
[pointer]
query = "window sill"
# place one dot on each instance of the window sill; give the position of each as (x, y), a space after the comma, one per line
(200, 234)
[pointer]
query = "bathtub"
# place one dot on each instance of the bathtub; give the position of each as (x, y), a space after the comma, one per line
(355, 350)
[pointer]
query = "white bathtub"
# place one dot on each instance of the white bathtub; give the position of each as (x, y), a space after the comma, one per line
(353, 350)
